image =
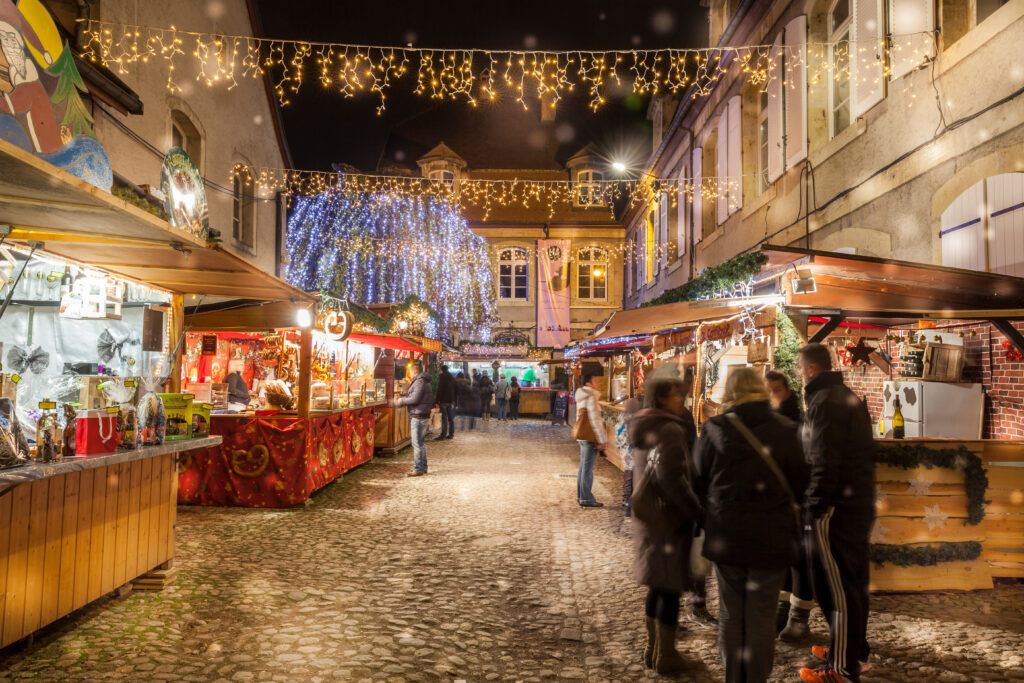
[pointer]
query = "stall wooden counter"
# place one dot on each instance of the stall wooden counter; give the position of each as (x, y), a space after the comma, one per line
(534, 401)
(72, 531)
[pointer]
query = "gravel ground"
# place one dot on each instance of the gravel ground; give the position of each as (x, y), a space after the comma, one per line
(484, 570)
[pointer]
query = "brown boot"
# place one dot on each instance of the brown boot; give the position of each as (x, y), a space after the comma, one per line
(652, 637)
(667, 660)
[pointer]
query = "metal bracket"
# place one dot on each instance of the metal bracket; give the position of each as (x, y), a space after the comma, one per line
(826, 329)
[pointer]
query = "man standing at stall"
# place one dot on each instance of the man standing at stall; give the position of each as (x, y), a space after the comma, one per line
(420, 400)
(839, 446)
(446, 402)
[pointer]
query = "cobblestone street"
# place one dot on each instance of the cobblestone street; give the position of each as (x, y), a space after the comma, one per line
(484, 570)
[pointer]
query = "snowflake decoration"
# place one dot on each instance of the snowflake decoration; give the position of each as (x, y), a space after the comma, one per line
(934, 517)
(920, 486)
(879, 532)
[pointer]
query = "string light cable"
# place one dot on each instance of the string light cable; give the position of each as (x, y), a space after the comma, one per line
(477, 74)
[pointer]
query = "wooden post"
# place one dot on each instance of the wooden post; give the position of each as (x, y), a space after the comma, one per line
(305, 369)
(177, 327)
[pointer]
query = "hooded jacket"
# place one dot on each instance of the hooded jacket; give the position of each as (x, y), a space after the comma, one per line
(839, 446)
(662, 556)
(749, 519)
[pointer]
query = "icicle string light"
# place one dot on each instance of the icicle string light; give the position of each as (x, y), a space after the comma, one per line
(472, 75)
(332, 244)
(489, 194)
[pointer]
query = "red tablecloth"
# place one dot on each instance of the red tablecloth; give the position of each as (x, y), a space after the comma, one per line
(275, 461)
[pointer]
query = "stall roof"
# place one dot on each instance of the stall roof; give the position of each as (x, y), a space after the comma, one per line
(653, 319)
(886, 291)
(386, 341)
(83, 224)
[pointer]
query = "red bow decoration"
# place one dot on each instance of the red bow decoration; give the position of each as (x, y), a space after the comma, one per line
(1012, 352)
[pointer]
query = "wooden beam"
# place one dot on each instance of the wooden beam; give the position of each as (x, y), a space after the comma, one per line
(177, 329)
(305, 370)
(826, 329)
(1010, 332)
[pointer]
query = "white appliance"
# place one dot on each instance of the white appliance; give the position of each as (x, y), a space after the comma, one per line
(935, 409)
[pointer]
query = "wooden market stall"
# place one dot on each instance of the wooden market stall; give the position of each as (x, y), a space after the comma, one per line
(538, 380)
(392, 427)
(950, 508)
(74, 529)
(278, 455)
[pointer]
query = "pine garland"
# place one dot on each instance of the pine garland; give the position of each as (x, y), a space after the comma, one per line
(976, 481)
(924, 555)
(715, 279)
(787, 351)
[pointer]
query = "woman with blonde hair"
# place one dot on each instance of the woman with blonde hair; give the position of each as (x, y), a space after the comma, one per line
(750, 475)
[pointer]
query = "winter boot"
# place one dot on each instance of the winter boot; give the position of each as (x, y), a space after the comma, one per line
(781, 616)
(652, 638)
(701, 615)
(797, 629)
(667, 660)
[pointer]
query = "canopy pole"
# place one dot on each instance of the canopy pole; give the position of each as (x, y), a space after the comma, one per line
(177, 331)
(305, 369)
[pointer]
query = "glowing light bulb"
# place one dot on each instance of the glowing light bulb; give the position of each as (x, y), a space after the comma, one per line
(618, 166)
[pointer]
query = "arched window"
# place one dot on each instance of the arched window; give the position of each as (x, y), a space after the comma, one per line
(442, 175)
(588, 192)
(185, 135)
(592, 273)
(243, 206)
(513, 274)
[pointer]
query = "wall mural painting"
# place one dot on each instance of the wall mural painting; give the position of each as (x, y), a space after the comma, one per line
(41, 110)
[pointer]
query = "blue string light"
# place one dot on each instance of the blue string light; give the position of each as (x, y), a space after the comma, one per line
(380, 248)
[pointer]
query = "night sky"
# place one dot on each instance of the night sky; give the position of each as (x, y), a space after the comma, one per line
(323, 127)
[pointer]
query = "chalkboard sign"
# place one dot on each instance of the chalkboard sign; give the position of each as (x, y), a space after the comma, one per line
(209, 345)
(561, 406)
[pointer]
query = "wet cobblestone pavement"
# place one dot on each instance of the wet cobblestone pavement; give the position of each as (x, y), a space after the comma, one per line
(484, 570)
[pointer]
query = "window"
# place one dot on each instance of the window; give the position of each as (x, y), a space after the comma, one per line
(982, 228)
(683, 210)
(762, 145)
(729, 158)
(987, 7)
(442, 175)
(839, 63)
(649, 245)
(185, 135)
(513, 274)
(592, 273)
(589, 191)
(243, 207)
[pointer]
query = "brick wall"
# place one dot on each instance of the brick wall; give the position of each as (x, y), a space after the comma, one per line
(985, 362)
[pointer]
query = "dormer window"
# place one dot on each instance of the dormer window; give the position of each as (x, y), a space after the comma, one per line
(442, 175)
(589, 190)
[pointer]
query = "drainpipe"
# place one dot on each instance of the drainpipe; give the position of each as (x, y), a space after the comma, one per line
(84, 14)
(690, 248)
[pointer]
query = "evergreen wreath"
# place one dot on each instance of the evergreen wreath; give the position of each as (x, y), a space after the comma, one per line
(722, 277)
(976, 481)
(925, 555)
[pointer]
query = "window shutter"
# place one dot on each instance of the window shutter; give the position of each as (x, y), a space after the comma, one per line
(865, 56)
(963, 230)
(722, 155)
(796, 91)
(1005, 207)
(662, 254)
(735, 156)
(697, 229)
(682, 213)
(912, 22)
(775, 112)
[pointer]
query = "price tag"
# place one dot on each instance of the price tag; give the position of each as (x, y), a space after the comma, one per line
(15, 378)
(75, 404)
(131, 383)
(47, 405)
(112, 410)
(189, 397)
(54, 276)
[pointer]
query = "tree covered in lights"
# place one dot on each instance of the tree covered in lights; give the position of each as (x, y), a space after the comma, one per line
(384, 248)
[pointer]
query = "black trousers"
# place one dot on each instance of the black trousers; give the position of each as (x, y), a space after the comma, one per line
(663, 606)
(513, 408)
(840, 575)
(798, 578)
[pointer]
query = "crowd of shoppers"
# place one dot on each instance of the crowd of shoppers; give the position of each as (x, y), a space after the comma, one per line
(784, 500)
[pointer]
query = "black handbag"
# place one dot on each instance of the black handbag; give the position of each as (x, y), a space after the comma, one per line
(657, 509)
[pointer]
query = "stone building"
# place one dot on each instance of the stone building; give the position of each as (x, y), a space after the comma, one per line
(137, 119)
(508, 143)
(915, 154)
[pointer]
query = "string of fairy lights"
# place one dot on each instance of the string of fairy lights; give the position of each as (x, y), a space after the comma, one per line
(474, 75)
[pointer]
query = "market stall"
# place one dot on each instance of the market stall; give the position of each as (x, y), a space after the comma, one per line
(943, 345)
(309, 402)
(538, 381)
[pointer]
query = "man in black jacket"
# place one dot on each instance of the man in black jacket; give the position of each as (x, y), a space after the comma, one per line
(446, 402)
(420, 400)
(840, 449)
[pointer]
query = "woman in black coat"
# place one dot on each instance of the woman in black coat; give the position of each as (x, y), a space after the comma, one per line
(469, 401)
(660, 434)
(751, 523)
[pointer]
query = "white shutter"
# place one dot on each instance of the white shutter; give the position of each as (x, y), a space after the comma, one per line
(775, 112)
(722, 156)
(796, 91)
(682, 212)
(735, 162)
(1005, 208)
(963, 230)
(866, 88)
(662, 252)
(911, 25)
(697, 229)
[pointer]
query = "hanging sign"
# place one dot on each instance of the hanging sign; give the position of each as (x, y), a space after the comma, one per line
(209, 345)
(184, 193)
(553, 293)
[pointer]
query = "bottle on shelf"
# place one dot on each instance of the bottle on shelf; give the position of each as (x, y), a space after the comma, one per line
(898, 430)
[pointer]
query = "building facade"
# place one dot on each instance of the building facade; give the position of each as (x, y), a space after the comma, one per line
(914, 152)
(137, 120)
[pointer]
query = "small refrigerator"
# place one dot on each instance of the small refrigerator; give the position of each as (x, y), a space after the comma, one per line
(944, 410)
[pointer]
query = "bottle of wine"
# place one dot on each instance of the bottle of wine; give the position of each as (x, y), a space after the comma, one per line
(898, 431)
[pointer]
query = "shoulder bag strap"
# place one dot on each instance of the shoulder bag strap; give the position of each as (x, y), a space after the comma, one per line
(762, 451)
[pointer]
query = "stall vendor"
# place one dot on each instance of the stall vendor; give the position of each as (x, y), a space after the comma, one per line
(238, 392)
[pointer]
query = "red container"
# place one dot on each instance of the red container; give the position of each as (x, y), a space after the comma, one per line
(96, 432)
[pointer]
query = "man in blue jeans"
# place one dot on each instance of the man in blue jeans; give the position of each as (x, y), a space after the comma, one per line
(419, 399)
(501, 392)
